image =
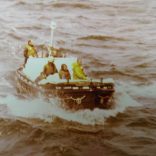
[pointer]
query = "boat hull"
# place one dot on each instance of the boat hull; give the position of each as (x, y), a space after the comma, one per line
(73, 96)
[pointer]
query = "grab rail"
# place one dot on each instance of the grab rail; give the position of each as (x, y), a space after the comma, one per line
(91, 86)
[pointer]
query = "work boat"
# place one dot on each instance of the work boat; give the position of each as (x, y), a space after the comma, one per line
(74, 94)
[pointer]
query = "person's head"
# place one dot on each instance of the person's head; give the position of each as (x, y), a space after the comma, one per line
(54, 52)
(30, 43)
(64, 67)
(79, 61)
(52, 66)
(50, 61)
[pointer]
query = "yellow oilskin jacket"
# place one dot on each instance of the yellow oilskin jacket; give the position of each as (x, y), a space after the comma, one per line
(31, 51)
(78, 72)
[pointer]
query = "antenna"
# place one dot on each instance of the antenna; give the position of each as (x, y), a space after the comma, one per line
(53, 27)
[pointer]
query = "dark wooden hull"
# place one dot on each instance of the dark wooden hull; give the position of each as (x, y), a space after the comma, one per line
(75, 96)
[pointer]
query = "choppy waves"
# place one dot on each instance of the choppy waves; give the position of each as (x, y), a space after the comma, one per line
(115, 39)
(39, 108)
(102, 38)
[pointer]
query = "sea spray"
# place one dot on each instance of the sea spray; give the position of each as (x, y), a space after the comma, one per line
(144, 91)
(47, 110)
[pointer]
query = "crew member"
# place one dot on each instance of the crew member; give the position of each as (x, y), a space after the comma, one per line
(30, 51)
(49, 69)
(55, 52)
(64, 72)
(78, 72)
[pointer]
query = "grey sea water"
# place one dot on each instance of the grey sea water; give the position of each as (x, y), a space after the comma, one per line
(115, 38)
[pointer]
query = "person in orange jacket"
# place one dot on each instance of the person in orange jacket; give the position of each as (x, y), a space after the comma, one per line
(49, 69)
(64, 72)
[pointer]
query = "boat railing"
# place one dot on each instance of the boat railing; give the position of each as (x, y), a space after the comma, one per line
(68, 86)
(109, 87)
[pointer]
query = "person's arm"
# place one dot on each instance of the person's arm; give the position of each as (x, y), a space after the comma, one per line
(25, 52)
(60, 74)
(69, 75)
(44, 69)
(79, 73)
(36, 54)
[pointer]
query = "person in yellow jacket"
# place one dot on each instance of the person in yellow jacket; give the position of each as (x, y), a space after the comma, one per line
(78, 72)
(29, 51)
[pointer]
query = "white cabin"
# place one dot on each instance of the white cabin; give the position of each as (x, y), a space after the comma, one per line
(35, 66)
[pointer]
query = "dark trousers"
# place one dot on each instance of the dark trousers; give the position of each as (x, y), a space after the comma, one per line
(25, 60)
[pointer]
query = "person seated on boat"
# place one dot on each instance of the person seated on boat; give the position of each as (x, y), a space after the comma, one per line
(30, 51)
(49, 69)
(78, 72)
(64, 72)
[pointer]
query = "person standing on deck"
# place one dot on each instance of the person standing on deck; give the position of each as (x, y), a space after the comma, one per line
(78, 72)
(30, 51)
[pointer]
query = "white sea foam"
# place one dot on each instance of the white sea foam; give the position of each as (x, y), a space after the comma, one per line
(148, 91)
(40, 108)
